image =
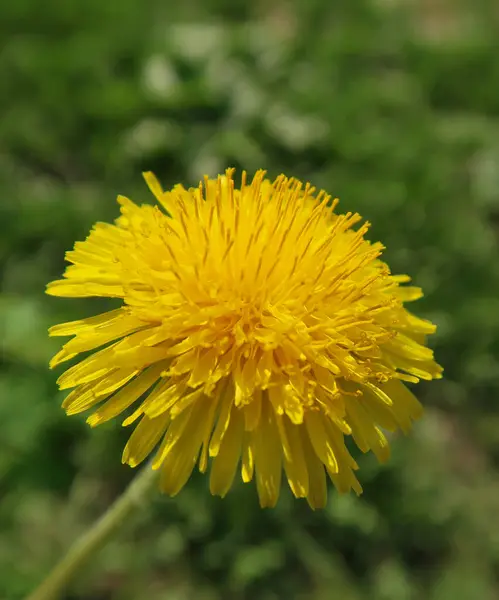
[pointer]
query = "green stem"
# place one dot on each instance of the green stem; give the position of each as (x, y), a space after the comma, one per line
(96, 537)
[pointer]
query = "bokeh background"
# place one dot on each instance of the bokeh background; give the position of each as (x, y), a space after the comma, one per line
(392, 105)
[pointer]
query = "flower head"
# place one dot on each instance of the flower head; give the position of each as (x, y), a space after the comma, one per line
(257, 327)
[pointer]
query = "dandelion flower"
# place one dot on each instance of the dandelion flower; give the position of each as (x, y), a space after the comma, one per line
(258, 330)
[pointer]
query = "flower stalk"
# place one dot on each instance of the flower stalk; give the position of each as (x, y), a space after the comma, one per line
(96, 537)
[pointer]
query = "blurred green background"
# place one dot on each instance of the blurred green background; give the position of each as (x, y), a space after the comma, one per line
(391, 105)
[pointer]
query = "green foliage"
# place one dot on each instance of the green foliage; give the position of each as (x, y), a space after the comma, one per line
(393, 110)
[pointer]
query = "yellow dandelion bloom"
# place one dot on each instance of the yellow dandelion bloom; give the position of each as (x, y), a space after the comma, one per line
(258, 328)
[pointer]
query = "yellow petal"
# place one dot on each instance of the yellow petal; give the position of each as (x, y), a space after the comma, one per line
(252, 411)
(404, 401)
(80, 399)
(87, 395)
(365, 433)
(226, 402)
(181, 454)
(126, 396)
(268, 463)
(144, 438)
(385, 416)
(248, 459)
(213, 403)
(295, 465)
(407, 348)
(84, 289)
(114, 381)
(317, 490)
(164, 395)
(345, 480)
(225, 463)
(99, 337)
(315, 424)
(82, 325)
(91, 368)
(153, 184)
(176, 430)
